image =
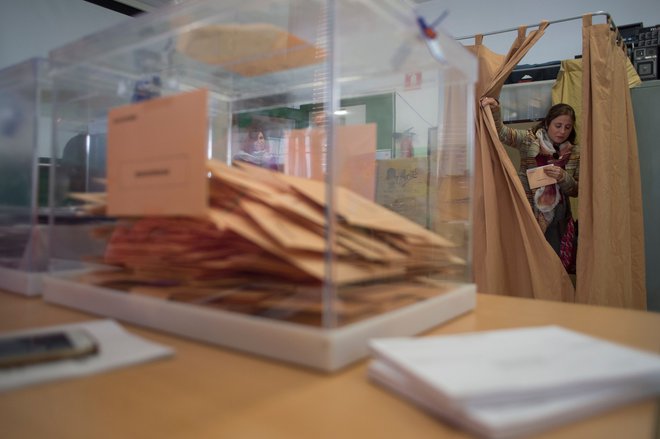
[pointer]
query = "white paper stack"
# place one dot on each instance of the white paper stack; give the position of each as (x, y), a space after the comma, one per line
(509, 383)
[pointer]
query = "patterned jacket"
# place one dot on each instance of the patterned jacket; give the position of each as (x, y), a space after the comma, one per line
(528, 144)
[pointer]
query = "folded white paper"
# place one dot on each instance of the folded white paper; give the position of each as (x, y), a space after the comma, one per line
(513, 382)
(116, 348)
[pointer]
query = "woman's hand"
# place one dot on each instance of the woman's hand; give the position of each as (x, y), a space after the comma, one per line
(555, 172)
(489, 102)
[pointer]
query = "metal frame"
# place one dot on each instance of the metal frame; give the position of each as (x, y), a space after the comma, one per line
(607, 14)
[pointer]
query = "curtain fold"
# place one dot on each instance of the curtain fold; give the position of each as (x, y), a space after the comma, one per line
(511, 256)
(610, 263)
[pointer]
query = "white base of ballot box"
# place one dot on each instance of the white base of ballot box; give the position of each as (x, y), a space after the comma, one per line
(27, 283)
(318, 348)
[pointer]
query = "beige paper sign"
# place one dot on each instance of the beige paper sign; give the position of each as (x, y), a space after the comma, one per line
(402, 186)
(157, 157)
(538, 178)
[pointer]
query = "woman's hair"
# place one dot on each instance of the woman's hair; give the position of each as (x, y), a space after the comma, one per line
(554, 112)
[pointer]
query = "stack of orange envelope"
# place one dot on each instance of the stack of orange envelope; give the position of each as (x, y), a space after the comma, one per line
(268, 245)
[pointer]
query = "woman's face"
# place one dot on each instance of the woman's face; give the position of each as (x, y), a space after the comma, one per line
(260, 142)
(560, 128)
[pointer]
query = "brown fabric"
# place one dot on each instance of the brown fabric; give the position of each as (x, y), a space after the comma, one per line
(568, 90)
(568, 87)
(511, 255)
(610, 264)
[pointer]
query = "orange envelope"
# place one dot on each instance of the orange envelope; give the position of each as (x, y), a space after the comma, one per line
(355, 156)
(157, 157)
(249, 49)
(538, 178)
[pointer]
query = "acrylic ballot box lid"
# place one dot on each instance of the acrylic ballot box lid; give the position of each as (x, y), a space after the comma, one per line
(236, 159)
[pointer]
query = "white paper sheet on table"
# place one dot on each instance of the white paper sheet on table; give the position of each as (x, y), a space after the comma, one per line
(513, 382)
(117, 348)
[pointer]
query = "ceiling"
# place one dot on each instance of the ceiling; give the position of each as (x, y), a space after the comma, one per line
(131, 7)
(134, 7)
(146, 5)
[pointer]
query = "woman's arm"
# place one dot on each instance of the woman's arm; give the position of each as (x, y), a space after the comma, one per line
(571, 175)
(508, 136)
(566, 178)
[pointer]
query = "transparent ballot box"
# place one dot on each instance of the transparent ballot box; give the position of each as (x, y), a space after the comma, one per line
(245, 177)
(24, 133)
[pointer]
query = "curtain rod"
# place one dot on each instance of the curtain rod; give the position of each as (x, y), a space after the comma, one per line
(537, 25)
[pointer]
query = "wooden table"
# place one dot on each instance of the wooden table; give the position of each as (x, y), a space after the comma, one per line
(209, 392)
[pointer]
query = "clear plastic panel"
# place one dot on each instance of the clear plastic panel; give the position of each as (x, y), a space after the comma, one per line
(23, 125)
(527, 101)
(302, 101)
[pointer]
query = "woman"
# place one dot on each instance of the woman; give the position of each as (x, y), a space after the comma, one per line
(255, 149)
(255, 142)
(550, 143)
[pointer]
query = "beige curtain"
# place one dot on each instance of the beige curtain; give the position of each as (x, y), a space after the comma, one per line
(568, 87)
(610, 263)
(511, 255)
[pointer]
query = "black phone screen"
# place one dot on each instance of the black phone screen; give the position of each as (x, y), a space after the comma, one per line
(34, 344)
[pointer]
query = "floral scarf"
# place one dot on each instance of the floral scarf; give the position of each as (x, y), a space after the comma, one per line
(546, 198)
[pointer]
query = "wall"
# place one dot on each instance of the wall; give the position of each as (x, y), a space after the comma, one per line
(33, 27)
(420, 116)
(647, 118)
(30, 28)
(561, 40)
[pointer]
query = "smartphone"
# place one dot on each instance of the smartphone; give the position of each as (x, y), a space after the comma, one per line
(20, 349)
